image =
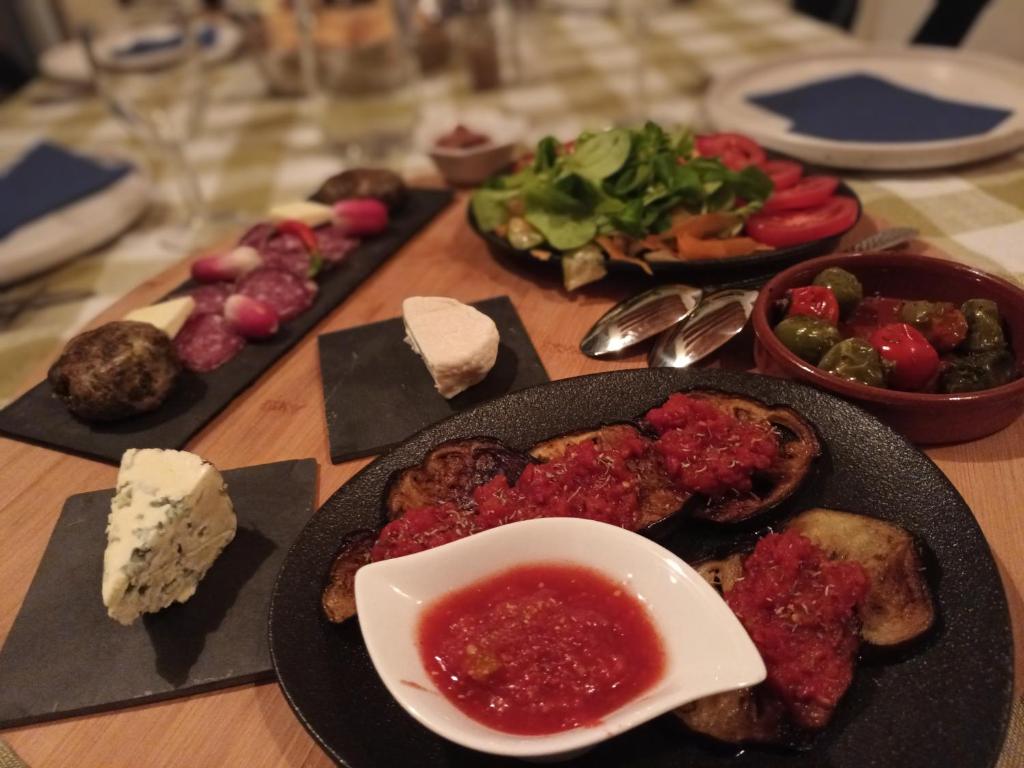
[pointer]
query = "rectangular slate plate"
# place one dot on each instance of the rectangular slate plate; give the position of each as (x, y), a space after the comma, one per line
(64, 656)
(377, 391)
(38, 417)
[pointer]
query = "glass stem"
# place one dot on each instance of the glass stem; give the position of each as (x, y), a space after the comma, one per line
(185, 178)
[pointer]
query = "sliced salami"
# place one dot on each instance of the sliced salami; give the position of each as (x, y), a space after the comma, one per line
(210, 298)
(287, 252)
(258, 235)
(333, 243)
(286, 293)
(206, 342)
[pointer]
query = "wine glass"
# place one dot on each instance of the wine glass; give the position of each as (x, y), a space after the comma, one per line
(148, 69)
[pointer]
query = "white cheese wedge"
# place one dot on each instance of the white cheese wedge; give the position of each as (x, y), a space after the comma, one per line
(309, 213)
(168, 316)
(169, 520)
(458, 343)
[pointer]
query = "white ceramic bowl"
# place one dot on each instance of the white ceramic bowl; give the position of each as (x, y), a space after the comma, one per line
(707, 651)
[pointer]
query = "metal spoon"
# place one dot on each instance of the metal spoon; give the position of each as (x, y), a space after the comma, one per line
(660, 308)
(718, 318)
(640, 317)
(725, 312)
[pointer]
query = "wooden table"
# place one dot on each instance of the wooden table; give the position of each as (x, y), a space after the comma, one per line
(281, 417)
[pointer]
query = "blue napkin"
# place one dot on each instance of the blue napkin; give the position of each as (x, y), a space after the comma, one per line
(862, 107)
(46, 178)
(206, 37)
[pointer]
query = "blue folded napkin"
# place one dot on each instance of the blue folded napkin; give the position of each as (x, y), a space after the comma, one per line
(49, 177)
(206, 37)
(862, 107)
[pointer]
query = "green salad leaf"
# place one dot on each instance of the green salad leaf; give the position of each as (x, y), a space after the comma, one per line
(597, 156)
(620, 180)
(489, 207)
(563, 231)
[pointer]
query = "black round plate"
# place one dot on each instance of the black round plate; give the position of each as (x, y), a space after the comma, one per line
(762, 261)
(944, 702)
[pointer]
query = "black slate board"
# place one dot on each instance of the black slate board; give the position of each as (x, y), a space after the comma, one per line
(64, 656)
(39, 417)
(377, 391)
(945, 701)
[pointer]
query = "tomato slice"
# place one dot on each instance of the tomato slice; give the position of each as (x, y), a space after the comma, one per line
(783, 173)
(806, 193)
(786, 228)
(735, 150)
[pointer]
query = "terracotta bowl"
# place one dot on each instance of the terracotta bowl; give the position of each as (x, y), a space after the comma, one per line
(922, 418)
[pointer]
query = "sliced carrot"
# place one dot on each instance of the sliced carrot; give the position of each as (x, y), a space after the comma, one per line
(703, 225)
(691, 247)
(540, 254)
(615, 253)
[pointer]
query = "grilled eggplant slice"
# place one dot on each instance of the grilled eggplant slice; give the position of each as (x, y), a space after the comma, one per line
(450, 472)
(899, 605)
(799, 447)
(898, 608)
(747, 716)
(659, 498)
(339, 597)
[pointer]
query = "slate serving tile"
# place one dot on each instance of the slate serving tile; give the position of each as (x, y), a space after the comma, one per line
(64, 656)
(377, 391)
(39, 417)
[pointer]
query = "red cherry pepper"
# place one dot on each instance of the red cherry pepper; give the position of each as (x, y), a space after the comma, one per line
(301, 230)
(914, 360)
(814, 301)
(308, 237)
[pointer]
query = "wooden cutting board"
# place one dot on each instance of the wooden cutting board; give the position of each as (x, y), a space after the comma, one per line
(281, 417)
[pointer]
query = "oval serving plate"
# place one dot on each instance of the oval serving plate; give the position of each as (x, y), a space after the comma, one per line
(762, 261)
(945, 702)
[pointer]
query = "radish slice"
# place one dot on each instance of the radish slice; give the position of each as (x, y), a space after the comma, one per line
(229, 265)
(250, 317)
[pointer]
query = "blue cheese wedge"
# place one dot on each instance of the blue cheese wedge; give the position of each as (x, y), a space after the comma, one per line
(458, 344)
(169, 316)
(169, 520)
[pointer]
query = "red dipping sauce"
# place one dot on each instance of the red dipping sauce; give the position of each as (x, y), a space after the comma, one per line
(540, 648)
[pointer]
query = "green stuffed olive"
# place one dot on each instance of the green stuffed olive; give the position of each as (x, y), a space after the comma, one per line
(975, 371)
(847, 288)
(807, 337)
(855, 360)
(984, 327)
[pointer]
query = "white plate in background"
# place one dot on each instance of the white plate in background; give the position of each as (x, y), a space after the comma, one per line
(67, 61)
(75, 229)
(941, 72)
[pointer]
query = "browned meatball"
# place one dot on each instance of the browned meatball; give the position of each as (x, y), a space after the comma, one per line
(118, 370)
(379, 183)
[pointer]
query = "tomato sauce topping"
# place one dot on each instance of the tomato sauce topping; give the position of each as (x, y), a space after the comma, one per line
(800, 608)
(421, 529)
(706, 450)
(540, 648)
(588, 482)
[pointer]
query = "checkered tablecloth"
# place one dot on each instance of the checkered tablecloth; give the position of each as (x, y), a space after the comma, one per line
(576, 72)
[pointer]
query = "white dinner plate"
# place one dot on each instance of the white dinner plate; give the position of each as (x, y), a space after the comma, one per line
(67, 61)
(75, 229)
(940, 72)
